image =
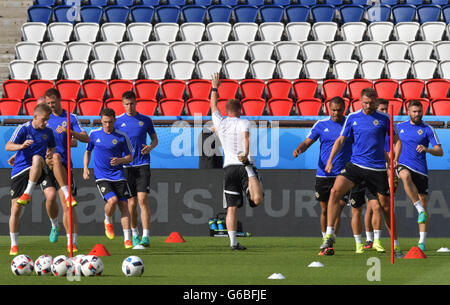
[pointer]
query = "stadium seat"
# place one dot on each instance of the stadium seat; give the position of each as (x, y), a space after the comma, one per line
(390, 2)
(353, 31)
(286, 50)
(271, 31)
(117, 87)
(124, 2)
(15, 89)
(105, 50)
(65, 13)
(245, 31)
(271, 13)
(424, 69)
(289, 68)
(440, 106)
(309, 107)
(397, 103)
(386, 88)
(94, 88)
(439, 2)
(323, 13)
(279, 88)
(69, 89)
(316, 69)
(91, 14)
(74, 69)
(345, 69)
(45, 2)
(218, 31)
(113, 31)
(342, 50)
(371, 69)
(39, 86)
(235, 69)
(27, 50)
(48, 69)
(146, 89)
(155, 69)
(168, 13)
(412, 88)
(173, 88)
(28, 105)
(206, 68)
(193, 13)
(413, 2)
(282, 2)
(79, 50)
(205, 3)
(146, 106)
(116, 13)
(195, 106)
(219, 13)
(334, 2)
(446, 14)
(245, 13)
(327, 105)
(157, 50)
(139, 31)
(437, 88)
(60, 31)
(313, 50)
(406, 31)
(262, 69)
(228, 2)
(333, 87)
(20, 69)
(428, 13)
(369, 50)
(199, 88)
(378, 13)
(398, 69)
(444, 69)
(424, 101)
(380, 31)
(142, 13)
(86, 31)
(420, 50)
(432, 31)
(53, 50)
(171, 107)
(395, 50)
(39, 13)
(280, 106)
(227, 89)
(101, 69)
(252, 88)
(192, 31)
(181, 69)
(115, 104)
(324, 31)
(254, 2)
(351, 13)
(128, 69)
(182, 50)
(304, 89)
(176, 2)
(209, 50)
(166, 31)
(298, 31)
(89, 106)
(99, 2)
(10, 106)
(297, 13)
(307, 2)
(235, 50)
(355, 87)
(403, 13)
(131, 50)
(33, 31)
(260, 50)
(253, 106)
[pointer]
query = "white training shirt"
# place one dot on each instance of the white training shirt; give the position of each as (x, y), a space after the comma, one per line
(231, 135)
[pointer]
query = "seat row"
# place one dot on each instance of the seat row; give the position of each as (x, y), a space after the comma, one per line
(240, 13)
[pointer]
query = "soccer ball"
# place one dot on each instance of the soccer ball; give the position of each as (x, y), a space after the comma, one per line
(43, 265)
(76, 264)
(133, 266)
(61, 265)
(22, 265)
(91, 265)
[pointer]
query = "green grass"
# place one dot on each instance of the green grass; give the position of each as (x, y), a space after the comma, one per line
(206, 260)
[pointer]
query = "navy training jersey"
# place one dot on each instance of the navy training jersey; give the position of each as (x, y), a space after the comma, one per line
(411, 136)
(136, 127)
(61, 138)
(369, 133)
(327, 131)
(43, 139)
(104, 147)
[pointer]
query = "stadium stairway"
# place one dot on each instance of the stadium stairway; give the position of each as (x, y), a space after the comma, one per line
(13, 13)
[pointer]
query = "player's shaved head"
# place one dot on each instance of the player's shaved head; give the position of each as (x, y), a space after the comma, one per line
(41, 115)
(129, 102)
(233, 107)
(369, 92)
(337, 108)
(108, 112)
(52, 92)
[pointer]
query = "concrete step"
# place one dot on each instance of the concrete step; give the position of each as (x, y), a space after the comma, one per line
(5, 4)
(6, 58)
(7, 48)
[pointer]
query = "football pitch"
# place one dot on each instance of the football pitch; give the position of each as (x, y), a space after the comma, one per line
(209, 261)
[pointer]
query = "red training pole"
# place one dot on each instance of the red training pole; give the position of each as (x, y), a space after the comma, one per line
(391, 177)
(69, 178)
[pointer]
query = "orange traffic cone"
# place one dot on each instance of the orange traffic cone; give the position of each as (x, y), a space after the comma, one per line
(99, 250)
(415, 252)
(175, 237)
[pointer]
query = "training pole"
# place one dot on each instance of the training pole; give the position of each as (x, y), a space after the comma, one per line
(69, 179)
(391, 177)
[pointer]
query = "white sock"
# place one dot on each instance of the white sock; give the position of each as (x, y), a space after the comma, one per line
(358, 238)
(233, 240)
(423, 237)
(330, 231)
(65, 190)
(126, 234)
(68, 239)
(54, 222)
(377, 234)
(14, 239)
(146, 233)
(250, 171)
(30, 187)
(323, 234)
(135, 231)
(74, 237)
(396, 243)
(369, 236)
(108, 220)
(419, 206)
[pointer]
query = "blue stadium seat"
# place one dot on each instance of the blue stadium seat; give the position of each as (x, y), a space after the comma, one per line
(351, 13)
(359, 2)
(90, 13)
(297, 13)
(333, 2)
(39, 13)
(150, 2)
(193, 13)
(403, 13)
(245, 13)
(413, 2)
(142, 13)
(323, 13)
(377, 13)
(439, 2)
(176, 2)
(271, 13)
(168, 13)
(115, 13)
(98, 2)
(125, 2)
(202, 2)
(228, 2)
(254, 2)
(219, 13)
(282, 2)
(446, 13)
(307, 2)
(428, 13)
(60, 13)
(389, 2)
(45, 2)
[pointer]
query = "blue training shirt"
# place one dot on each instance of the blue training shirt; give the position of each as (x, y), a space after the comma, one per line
(43, 139)
(136, 127)
(369, 133)
(328, 131)
(411, 136)
(104, 147)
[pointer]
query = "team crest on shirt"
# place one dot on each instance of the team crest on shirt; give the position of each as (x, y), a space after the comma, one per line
(375, 122)
(64, 124)
(141, 123)
(44, 137)
(420, 132)
(114, 141)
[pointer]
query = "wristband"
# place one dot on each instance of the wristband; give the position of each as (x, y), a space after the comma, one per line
(213, 89)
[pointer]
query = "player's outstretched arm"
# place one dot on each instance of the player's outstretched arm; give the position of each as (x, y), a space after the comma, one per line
(11, 146)
(214, 95)
(337, 146)
(435, 151)
(302, 147)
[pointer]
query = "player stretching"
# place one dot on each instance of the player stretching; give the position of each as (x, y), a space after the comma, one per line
(416, 136)
(137, 126)
(241, 176)
(368, 127)
(108, 146)
(32, 141)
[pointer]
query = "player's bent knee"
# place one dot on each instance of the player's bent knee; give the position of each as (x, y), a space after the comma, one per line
(38, 160)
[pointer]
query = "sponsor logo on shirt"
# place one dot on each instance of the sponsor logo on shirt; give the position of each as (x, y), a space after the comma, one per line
(402, 131)
(354, 123)
(123, 125)
(98, 141)
(326, 130)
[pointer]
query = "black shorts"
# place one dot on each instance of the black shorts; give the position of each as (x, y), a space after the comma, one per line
(138, 179)
(419, 180)
(323, 188)
(49, 180)
(109, 189)
(236, 186)
(375, 181)
(19, 183)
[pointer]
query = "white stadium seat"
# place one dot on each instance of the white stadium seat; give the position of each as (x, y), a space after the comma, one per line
(218, 31)
(287, 50)
(421, 50)
(74, 69)
(128, 69)
(444, 69)
(261, 50)
(316, 68)
(372, 69)
(48, 69)
(313, 50)
(139, 31)
(324, 31)
(105, 50)
(298, 31)
(21, 69)
(60, 31)
(182, 50)
(235, 69)
(235, 50)
(27, 50)
(398, 69)
(166, 31)
(424, 69)
(395, 50)
(263, 69)
(353, 31)
(245, 31)
(86, 31)
(182, 69)
(432, 31)
(345, 69)
(101, 69)
(130, 50)
(289, 68)
(78, 50)
(380, 31)
(192, 31)
(156, 50)
(113, 31)
(206, 68)
(342, 50)
(369, 50)
(271, 31)
(154, 69)
(209, 50)
(442, 50)
(406, 31)
(33, 31)
(53, 50)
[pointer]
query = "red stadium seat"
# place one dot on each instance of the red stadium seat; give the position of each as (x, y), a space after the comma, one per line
(68, 88)
(117, 87)
(39, 86)
(397, 103)
(146, 88)
(221, 104)
(424, 101)
(171, 107)
(115, 104)
(199, 88)
(355, 86)
(280, 106)
(94, 88)
(412, 88)
(309, 106)
(65, 104)
(14, 88)
(145, 106)
(386, 88)
(334, 87)
(437, 88)
(252, 88)
(227, 89)
(195, 106)
(279, 88)
(356, 105)
(327, 105)
(304, 89)
(253, 106)
(441, 106)
(10, 106)
(89, 106)
(29, 104)
(173, 88)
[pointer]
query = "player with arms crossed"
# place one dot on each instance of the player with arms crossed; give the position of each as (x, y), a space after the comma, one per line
(416, 136)
(33, 141)
(137, 126)
(241, 176)
(108, 146)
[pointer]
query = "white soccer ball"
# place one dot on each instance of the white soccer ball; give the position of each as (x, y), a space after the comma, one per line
(43, 265)
(22, 265)
(133, 266)
(76, 261)
(91, 265)
(61, 265)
